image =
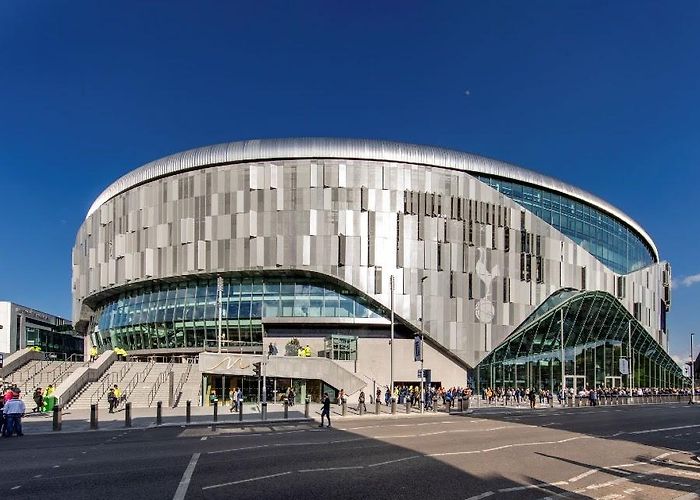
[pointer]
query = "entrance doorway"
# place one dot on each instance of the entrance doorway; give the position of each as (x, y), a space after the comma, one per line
(613, 382)
(577, 382)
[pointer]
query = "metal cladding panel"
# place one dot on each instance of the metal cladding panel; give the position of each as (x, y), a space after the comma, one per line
(313, 147)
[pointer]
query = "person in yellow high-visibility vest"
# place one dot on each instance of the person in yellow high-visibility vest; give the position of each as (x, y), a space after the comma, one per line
(307, 351)
(93, 353)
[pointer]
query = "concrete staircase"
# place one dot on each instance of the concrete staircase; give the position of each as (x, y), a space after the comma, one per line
(42, 374)
(94, 392)
(191, 388)
(142, 394)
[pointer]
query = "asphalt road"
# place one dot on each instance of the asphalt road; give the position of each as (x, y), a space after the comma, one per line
(605, 452)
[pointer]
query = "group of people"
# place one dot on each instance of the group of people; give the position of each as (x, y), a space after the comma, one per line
(235, 395)
(115, 397)
(42, 397)
(516, 396)
(12, 410)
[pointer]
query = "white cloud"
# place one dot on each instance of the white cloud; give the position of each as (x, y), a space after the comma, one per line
(691, 280)
(687, 281)
(680, 360)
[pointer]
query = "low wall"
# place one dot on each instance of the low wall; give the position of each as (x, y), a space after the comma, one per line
(18, 359)
(77, 380)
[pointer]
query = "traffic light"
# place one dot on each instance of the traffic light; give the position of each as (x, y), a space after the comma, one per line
(256, 369)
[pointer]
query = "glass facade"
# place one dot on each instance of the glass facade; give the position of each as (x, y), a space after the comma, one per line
(184, 314)
(596, 334)
(609, 240)
(58, 339)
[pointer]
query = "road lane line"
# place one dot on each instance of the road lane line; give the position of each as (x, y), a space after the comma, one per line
(532, 486)
(246, 480)
(665, 429)
(395, 461)
(483, 495)
(186, 478)
(326, 469)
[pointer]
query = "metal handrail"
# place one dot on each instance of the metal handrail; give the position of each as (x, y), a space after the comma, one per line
(181, 383)
(98, 394)
(159, 381)
(139, 377)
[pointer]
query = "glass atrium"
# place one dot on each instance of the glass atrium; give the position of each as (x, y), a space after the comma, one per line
(597, 332)
(184, 314)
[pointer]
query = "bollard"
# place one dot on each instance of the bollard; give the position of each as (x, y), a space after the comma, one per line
(361, 408)
(286, 409)
(159, 413)
(578, 401)
(461, 405)
(188, 411)
(216, 411)
(57, 418)
(377, 407)
(263, 407)
(393, 406)
(571, 402)
(408, 407)
(93, 417)
(343, 408)
(127, 414)
(306, 408)
(240, 411)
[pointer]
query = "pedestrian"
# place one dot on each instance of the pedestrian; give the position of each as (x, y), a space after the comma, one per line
(14, 410)
(361, 402)
(531, 396)
(38, 398)
(326, 410)
(290, 396)
(111, 399)
(93, 353)
(379, 396)
(239, 398)
(387, 396)
(232, 399)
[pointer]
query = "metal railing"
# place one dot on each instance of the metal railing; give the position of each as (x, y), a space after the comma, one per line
(139, 377)
(181, 383)
(106, 383)
(235, 346)
(158, 382)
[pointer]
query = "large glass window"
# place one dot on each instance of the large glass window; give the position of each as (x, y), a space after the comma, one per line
(609, 240)
(185, 315)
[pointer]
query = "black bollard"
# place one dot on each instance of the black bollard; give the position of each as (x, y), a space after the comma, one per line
(306, 408)
(127, 414)
(188, 411)
(377, 407)
(57, 418)
(393, 406)
(286, 409)
(343, 408)
(240, 411)
(461, 405)
(361, 408)
(216, 411)
(408, 407)
(263, 405)
(93, 417)
(159, 413)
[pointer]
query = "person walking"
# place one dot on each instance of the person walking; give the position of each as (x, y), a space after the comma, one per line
(326, 410)
(93, 353)
(531, 396)
(232, 399)
(361, 402)
(111, 399)
(38, 398)
(14, 411)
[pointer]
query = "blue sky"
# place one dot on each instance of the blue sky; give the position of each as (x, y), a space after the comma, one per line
(603, 95)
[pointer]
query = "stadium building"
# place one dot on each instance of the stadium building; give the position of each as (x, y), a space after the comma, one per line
(495, 263)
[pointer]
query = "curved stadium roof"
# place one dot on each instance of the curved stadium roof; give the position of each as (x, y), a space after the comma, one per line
(361, 149)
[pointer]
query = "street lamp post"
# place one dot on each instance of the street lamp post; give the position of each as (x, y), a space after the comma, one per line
(391, 344)
(692, 371)
(561, 344)
(422, 347)
(219, 292)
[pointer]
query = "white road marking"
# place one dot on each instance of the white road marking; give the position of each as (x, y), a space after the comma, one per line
(186, 478)
(608, 468)
(395, 461)
(665, 429)
(531, 486)
(483, 495)
(16, 487)
(56, 466)
(204, 438)
(350, 467)
(246, 480)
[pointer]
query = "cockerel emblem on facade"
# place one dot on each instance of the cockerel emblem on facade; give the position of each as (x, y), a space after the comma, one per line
(484, 308)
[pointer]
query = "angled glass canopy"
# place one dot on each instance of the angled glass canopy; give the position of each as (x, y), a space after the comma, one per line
(597, 332)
